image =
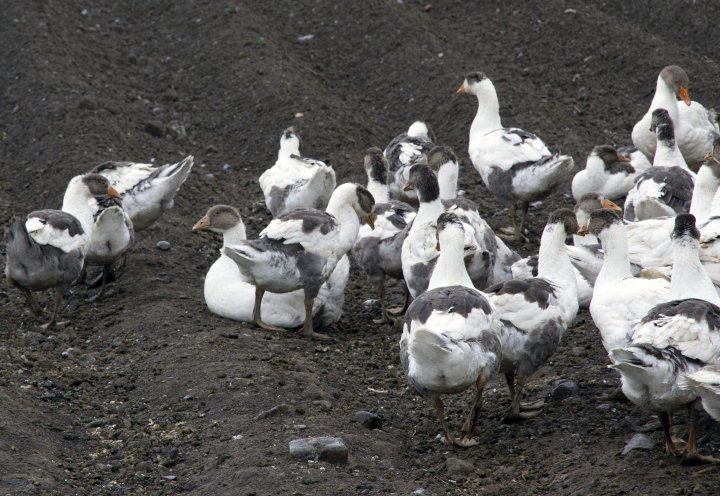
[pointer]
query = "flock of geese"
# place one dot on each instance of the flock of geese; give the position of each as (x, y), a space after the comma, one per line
(473, 307)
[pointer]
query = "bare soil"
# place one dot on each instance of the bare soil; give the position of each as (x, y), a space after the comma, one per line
(146, 392)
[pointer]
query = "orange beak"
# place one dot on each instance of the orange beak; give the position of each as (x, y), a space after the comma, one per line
(461, 89)
(202, 224)
(408, 187)
(611, 205)
(684, 95)
(623, 158)
(583, 230)
(370, 219)
(113, 193)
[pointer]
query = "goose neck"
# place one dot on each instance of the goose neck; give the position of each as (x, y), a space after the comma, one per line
(616, 264)
(450, 266)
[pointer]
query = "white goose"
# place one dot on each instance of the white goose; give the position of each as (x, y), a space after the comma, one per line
(585, 254)
(696, 127)
(619, 299)
(515, 165)
(47, 251)
(295, 181)
(606, 172)
(378, 251)
(450, 339)
(493, 259)
(147, 191)
(536, 312)
(401, 153)
(301, 248)
(95, 203)
(674, 338)
(666, 188)
(229, 293)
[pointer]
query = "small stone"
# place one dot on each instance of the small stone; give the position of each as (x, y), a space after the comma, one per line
(324, 449)
(324, 405)
(176, 130)
(276, 410)
(563, 389)
(188, 397)
(604, 407)
(169, 477)
(456, 466)
(88, 103)
(84, 12)
(306, 37)
(368, 419)
(638, 441)
(155, 128)
(163, 245)
(68, 353)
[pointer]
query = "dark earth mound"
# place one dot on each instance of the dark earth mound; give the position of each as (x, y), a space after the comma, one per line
(155, 395)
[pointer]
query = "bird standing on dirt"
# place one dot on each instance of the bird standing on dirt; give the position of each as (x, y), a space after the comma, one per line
(378, 249)
(295, 181)
(301, 248)
(47, 251)
(98, 207)
(451, 336)
(674, 338)
(515, 165)
(147, 190)
(536, 312)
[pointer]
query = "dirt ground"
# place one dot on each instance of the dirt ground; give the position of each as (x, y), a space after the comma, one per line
(147, 392)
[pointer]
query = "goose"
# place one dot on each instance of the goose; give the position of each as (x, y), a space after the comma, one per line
(301, 248)
(515, 165)
(696, 127)
(98, 207)
(619, 299)
(419, 249)
(147, 191)
(704, 383)
(401, 153)
(451, 335)
(586, 257)
(229, 294)
(606, 172)
(536, 312)
(666, 188)
(674, 338)
(491, 264)
(377, 251)
(46, 251)
(295, 181)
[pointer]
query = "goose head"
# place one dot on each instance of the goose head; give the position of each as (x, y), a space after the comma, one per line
(601, 222)
(98, 187)
(662, 125)
(376, 165)
(421, 130)
(219, 219)
(289, 143)
(685, 230)
(589, 202)
(678, 81)
(424, 181)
